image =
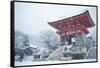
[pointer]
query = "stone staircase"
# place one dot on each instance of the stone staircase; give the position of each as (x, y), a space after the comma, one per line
(56, 55)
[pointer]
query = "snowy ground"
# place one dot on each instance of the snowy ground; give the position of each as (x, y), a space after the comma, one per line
(30, 62)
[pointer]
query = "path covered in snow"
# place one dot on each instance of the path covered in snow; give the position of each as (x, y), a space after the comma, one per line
(91, 54)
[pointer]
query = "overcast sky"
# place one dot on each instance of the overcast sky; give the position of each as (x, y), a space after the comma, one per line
(32, 18)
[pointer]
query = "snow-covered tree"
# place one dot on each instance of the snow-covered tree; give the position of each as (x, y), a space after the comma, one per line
(22, 46)
(50, 39)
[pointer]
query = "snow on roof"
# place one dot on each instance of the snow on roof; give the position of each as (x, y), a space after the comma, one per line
(69, 15)
(89, 35)
(73, 39)
(34, 46)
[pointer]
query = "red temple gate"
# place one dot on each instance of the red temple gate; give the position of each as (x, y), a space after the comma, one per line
(72, 26)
